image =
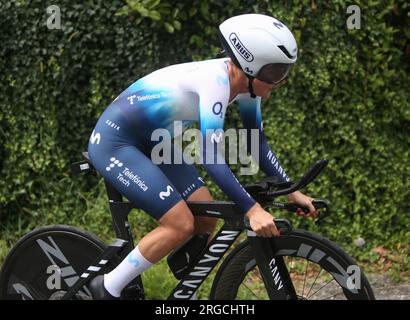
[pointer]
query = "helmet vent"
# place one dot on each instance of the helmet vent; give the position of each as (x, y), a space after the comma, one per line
(286, 52)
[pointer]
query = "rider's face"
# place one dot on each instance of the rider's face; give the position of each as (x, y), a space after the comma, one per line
(264, 89)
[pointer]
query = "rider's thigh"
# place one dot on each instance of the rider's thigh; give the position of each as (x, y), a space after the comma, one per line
(191, 186)
(134, 175)
(184, 176)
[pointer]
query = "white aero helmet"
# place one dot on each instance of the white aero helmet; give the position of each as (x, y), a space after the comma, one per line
(262, 46)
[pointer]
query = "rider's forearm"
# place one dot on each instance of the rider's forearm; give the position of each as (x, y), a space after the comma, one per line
(252, 119)
(268, 161)
(228, 183)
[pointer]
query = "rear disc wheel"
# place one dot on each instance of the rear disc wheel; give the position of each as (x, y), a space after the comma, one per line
(48, 261)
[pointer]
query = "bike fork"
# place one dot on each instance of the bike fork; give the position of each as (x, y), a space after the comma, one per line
(273, 269)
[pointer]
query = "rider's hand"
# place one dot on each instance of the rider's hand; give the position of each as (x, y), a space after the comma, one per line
(304, 201)
(262, 222)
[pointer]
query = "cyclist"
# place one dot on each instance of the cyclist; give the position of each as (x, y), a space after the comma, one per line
(261, 51)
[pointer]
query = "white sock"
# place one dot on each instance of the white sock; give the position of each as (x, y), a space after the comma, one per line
(131, 267)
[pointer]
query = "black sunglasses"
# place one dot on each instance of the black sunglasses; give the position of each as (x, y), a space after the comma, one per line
(274, 73)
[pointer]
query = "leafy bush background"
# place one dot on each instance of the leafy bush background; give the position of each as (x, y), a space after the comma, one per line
(347, 100)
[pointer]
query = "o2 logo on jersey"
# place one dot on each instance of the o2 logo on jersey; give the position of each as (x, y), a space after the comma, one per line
(217, 109)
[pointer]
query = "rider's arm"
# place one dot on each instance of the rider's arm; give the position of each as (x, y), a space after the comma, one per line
(211, 119)
(250, 110)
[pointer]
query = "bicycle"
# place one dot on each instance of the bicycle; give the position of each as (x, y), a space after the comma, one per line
(263, 268)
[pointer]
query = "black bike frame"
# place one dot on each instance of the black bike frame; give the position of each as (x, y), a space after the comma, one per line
(216, 249)
(220, 244)
(272, 268)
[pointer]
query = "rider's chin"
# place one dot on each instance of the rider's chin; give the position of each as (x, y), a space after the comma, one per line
(267, 94)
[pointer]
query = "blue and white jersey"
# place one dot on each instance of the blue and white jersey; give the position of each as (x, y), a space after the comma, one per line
(196, 92)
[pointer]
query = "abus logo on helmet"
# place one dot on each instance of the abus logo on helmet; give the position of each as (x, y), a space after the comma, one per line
(237, 44)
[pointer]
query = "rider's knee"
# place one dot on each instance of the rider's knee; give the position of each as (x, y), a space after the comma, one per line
(185, 229)
(201, 194)
(180, 223)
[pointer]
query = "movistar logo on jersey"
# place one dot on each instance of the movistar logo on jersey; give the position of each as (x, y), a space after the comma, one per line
(237, 44)
(95, 137)
(164, 194)
(216, 138)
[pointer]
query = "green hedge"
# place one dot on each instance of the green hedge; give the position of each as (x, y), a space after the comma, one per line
(347, 101)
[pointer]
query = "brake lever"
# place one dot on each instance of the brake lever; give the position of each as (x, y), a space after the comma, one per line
(318, 204)
(321, 204)
(283, 225)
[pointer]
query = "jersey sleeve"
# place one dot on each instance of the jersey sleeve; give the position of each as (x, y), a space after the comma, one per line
(211, 120)
(250, 110)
